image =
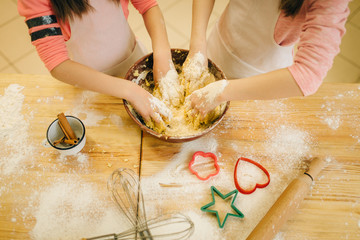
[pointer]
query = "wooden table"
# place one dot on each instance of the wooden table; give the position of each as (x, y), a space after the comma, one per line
(281, 135)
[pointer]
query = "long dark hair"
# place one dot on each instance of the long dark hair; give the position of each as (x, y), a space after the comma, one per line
(68, 9)
(291, 7)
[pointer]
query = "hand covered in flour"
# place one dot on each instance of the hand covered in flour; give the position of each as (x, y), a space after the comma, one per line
(206, 99)
(172, 93)
(194, 65)
(148, 106)
(195, 72)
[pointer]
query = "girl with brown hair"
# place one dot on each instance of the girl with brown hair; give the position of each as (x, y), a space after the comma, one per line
(89, 44)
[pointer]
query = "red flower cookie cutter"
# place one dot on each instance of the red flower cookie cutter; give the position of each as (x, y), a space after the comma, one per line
(258, 185)
(208, 154)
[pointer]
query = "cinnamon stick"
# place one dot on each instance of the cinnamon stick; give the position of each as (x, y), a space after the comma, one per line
(65, 127)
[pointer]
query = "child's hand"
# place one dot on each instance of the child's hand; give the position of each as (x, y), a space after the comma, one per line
(194, 66)
(162, 64)
(171, 91)
(195, 69)
(167, 79)
(206, 99)
(149, 107)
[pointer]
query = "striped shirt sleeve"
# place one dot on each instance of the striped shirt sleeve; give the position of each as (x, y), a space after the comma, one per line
(45, 31)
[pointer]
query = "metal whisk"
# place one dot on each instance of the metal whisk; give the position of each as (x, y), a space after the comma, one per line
(126, 193)
(165, 227)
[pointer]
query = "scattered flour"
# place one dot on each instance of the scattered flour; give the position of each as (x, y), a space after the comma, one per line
(14, 136)
(249, 175)
(332, 116)
(80, 158)
(195, 193)
(287, 146)
(329, 159)
(82, 110)
(279, 236)
(203, 166)
(88, 116)
(72, 209)
(116, 120)
(333, 122)
(50, 99)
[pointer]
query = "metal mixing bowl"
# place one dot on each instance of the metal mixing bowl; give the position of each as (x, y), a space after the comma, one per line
(146, 64)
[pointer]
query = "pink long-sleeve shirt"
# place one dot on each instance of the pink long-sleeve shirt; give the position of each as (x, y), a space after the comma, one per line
(52, 49)
(318, 29)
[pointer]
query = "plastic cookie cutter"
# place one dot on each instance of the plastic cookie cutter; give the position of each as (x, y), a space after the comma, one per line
(247, 190)
(200, 154)
(238, 214)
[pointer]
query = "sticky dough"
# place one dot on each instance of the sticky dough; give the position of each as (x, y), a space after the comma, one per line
(183, 122)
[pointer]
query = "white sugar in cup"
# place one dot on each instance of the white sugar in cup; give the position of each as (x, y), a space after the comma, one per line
(55, 133)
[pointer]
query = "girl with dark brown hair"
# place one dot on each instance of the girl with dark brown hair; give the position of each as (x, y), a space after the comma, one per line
(89, 44)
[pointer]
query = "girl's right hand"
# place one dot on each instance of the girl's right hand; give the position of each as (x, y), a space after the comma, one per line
(148, 106)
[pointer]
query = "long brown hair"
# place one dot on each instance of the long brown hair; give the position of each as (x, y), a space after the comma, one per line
(68, 9)
(291, 7)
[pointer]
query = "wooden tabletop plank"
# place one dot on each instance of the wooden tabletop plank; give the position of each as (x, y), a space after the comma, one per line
(70, 190)
(282, 135)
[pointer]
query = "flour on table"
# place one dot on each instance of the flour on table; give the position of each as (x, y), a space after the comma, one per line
(195, 193)
(81, 160)
(333, 122)
(332, 116)
(50, 99)
(88, 116)
(82, 110)
(287, 145)
(203, 166)
(116, 120)
(14, 135)
(248, 175)
(71, 208)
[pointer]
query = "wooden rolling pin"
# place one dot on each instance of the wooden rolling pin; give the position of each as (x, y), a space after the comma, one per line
(286, 204)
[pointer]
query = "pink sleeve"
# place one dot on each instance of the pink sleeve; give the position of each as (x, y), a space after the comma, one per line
(319, 42)
(51, 49)
(143, 5)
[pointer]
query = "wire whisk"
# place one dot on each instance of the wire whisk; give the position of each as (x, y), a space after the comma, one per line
(170, 226)
(126, 193)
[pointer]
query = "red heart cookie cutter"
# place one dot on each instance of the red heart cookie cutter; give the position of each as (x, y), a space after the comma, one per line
(208, 154)
(258, 185)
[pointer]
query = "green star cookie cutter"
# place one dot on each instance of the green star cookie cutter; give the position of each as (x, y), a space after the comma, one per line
(205, 207)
